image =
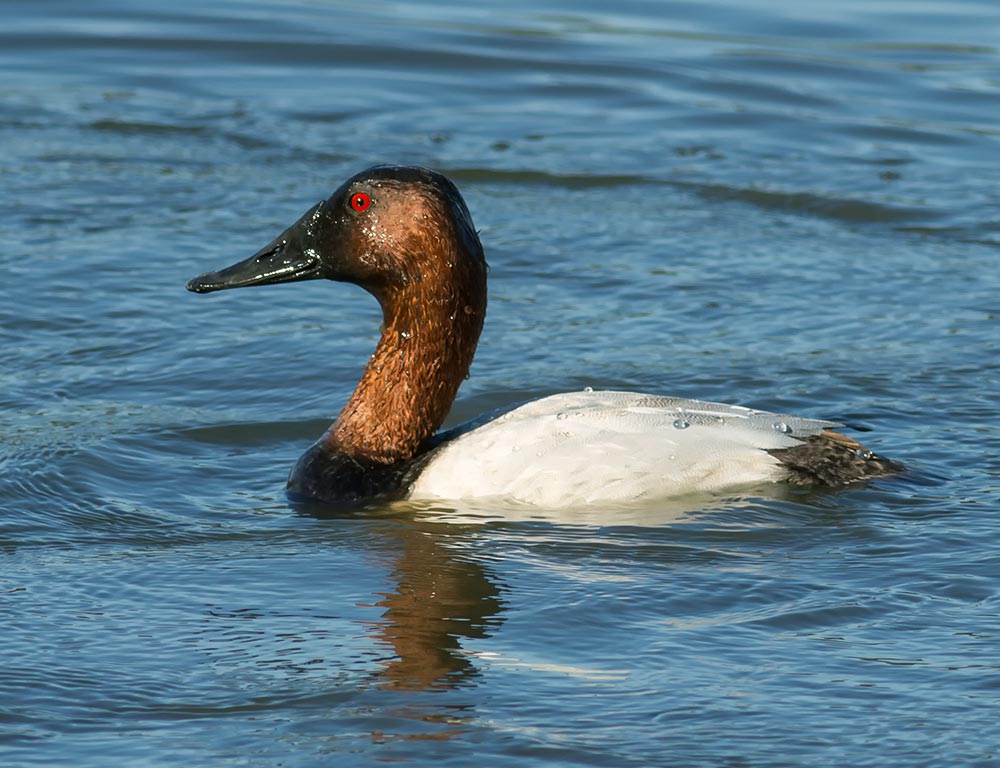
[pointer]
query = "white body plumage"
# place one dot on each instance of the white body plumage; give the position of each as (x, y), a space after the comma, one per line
(593, 447)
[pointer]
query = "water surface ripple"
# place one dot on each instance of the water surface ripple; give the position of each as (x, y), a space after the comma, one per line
(784, 205)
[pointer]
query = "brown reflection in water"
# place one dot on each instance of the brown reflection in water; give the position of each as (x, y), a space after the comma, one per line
(440, 599)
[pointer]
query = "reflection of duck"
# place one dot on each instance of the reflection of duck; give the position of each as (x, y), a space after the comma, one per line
(406, 236)
(439, 601)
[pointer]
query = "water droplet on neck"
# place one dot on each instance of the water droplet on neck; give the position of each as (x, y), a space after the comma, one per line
(405, 334)
(782, 427)
(681, 423)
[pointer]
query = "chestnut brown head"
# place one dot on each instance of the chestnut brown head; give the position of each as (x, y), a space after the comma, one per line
(387, 229)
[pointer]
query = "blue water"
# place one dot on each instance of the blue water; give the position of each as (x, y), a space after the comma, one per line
(791, 206)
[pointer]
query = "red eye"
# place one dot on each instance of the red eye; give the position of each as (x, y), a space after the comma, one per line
(360, 202)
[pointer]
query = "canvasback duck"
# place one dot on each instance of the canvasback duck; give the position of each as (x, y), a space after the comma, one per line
(406, 235)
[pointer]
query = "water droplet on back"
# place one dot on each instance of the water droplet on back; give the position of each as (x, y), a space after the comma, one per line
(561, 416)
(865, 454)
(782, 427)
(588, 389)
(681, 423)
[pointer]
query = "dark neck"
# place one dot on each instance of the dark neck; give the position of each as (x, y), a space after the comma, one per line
(410, 383)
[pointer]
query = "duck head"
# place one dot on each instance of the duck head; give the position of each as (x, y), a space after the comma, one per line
(388, 229)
